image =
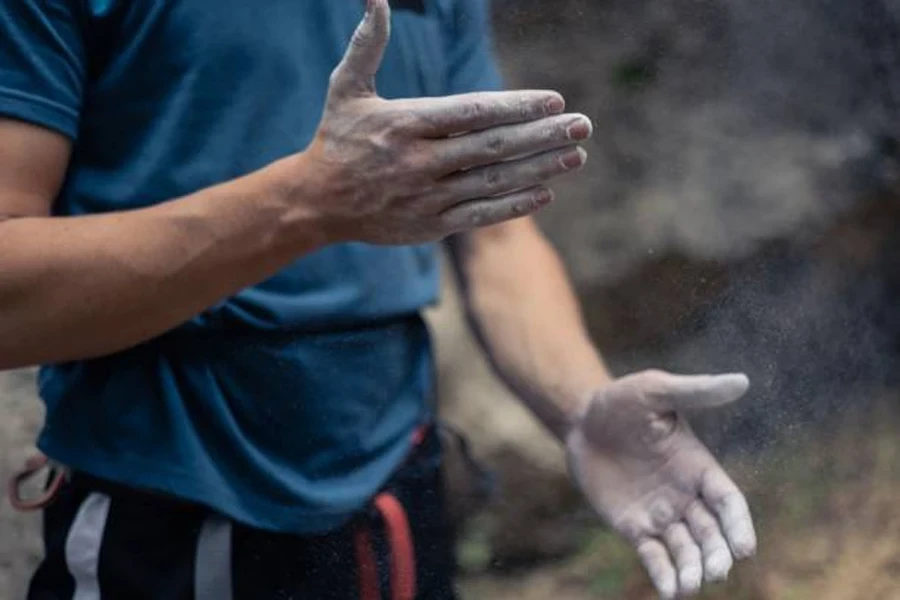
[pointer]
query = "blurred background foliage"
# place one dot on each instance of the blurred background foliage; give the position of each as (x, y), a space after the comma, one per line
(739, 212)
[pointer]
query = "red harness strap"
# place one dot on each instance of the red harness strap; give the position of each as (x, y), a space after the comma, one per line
(368, 568)
(399, 534)
(403, 562)
(400, 542)
(33, 466)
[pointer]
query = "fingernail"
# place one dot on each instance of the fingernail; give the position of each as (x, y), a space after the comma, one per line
(574, 159)
(545, 197)
(555, 105)
(579, 130)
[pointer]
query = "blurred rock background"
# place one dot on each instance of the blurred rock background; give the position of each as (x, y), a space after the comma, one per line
(739, 211)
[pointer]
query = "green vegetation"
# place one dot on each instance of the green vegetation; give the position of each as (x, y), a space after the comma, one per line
(634, 74)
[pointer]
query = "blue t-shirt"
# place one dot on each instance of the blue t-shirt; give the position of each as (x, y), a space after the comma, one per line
(288, 405)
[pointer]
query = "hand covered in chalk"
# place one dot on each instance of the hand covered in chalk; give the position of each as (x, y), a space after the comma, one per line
(420, 169)
(645, 472)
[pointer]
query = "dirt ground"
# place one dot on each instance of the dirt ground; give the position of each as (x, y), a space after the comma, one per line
(828, 517)
(20, 416)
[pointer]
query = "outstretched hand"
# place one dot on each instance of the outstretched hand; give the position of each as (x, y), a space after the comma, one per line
(645, 472)
(417, 170)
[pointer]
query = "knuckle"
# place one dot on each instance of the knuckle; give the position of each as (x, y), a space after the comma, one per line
(554, 133)
(723, 501)
(649, 551)
(524, 207)
(520, 208)
(398, 123)
(653, 382)
(408, 122)
(525, 110)
(335, 77)
(678, 544)
(493, 179)
(661, 513)
(474, 110)
(417, 167)
(478, 217)
(362, 40)
(693, 551)
(633, 531)
(419, 156)
(496, 146)
(707, 530)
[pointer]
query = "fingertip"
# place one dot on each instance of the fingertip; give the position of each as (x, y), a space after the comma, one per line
(734, 385)
(668, 591)
(583, 154)
(555, 103)
(377, 15)
(667, 583)
(743, 544)
(745, 550)
(545, 196)
(717, 566)
(690, 580)
(741, 380)
(590, 124)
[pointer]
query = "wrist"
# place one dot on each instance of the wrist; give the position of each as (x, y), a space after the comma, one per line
(300, 196)
(584, 397)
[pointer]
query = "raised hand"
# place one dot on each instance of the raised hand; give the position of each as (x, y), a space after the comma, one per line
(641, 467)
(416, 170)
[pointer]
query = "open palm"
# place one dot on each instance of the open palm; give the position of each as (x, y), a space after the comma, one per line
(644, 471)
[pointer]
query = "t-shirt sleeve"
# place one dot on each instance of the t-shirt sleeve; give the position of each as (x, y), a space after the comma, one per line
(42, 63)
(472, 65)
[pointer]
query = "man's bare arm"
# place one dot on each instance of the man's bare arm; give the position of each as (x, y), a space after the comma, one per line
(523, 308)
(378, 171)
(84, 286)
(628, 443)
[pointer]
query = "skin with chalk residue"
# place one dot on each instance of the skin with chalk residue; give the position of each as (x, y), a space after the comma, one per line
(417, 170)
(392, 172)
(630, 448)
(641, 467)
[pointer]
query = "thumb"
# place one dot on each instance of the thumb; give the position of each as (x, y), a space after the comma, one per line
(696, 392)
(355, 75)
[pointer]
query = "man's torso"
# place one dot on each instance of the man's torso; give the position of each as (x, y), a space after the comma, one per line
(286, 406)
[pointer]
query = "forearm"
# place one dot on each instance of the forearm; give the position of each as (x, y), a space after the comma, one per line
(80, 287)
(525, 313)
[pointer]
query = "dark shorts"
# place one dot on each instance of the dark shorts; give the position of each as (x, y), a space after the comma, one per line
(116, 543)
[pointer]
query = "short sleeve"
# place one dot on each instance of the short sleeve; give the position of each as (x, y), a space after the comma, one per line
(472, 65)
(42, 63)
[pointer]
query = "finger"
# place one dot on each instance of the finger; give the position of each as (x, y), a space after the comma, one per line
(693, 392)
(730, 507)
(491, 211)
(656, 561)
(687, 557)
(510, 141)
(504, 178)
(355, 74)
(704, 527)
(464, 113)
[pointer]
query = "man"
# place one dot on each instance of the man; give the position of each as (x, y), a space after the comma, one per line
(220, 254)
